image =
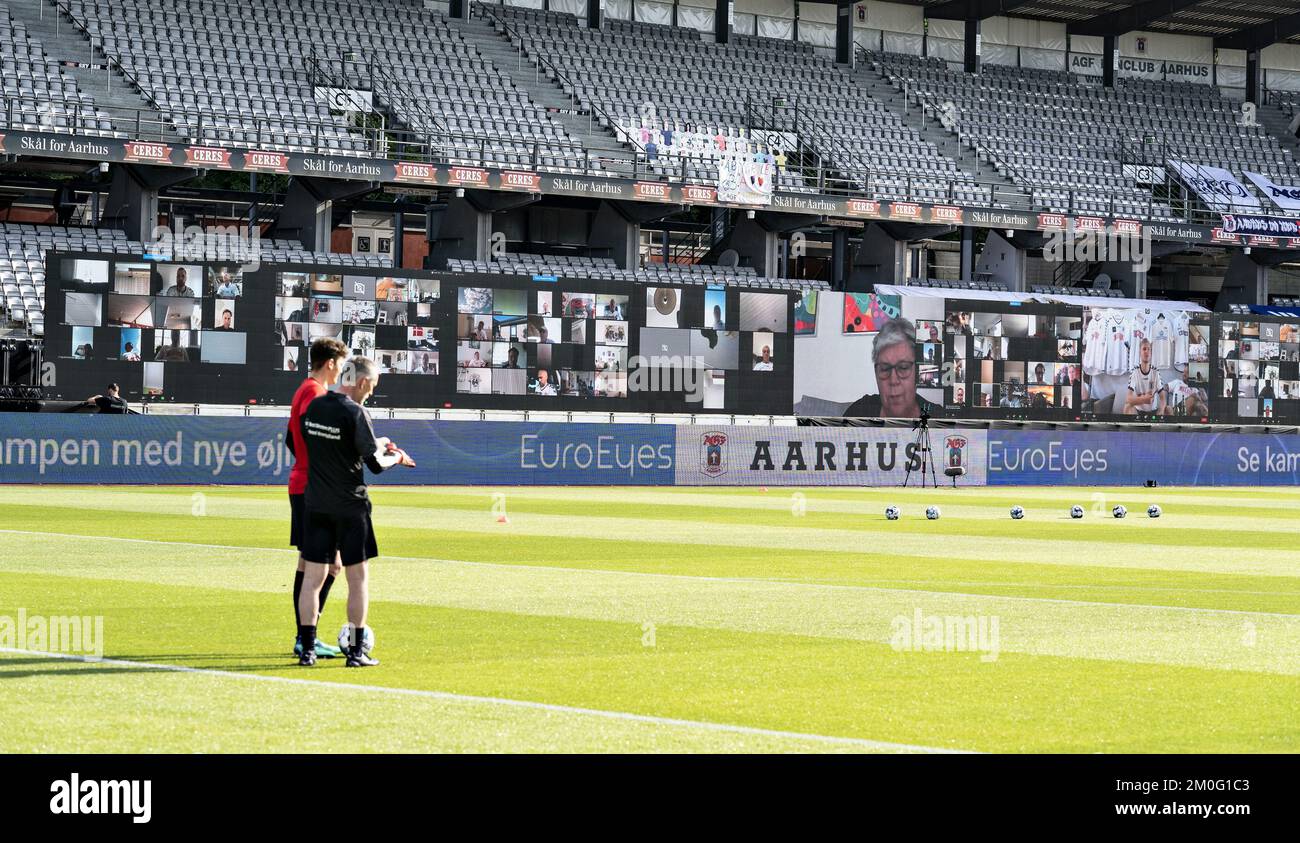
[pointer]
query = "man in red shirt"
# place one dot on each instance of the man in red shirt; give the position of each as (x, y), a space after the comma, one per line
(327, 357)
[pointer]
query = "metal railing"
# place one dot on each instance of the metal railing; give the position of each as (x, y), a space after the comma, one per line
(820, 159)
(112, 61)
(554, 73)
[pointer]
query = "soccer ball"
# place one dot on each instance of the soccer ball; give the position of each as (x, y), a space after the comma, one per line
(1076, 511)
(932, 513)
(1017, 512)
(1153, 511)
(367, 640)
(892, 513)
(1119, 512)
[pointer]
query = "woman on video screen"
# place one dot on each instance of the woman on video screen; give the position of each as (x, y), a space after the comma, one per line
(893, 355)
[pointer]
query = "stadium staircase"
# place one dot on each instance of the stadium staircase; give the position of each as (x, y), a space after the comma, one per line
(1278, 124)
(68, 44)
(542, 84)
(913, 113)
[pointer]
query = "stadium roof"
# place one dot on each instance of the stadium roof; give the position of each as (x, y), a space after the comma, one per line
(1243, 24)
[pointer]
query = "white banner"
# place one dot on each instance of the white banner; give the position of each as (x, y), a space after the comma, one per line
(1085, 64)
(1284, 196)
(754, 455)
(1218, 188)
(346, 99)
(1144, 173)
(744, 181)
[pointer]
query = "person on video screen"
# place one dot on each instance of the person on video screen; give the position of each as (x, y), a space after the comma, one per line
(173, 352)
(226, 286)
(181, 287)
(893, 355)
(1146, 393)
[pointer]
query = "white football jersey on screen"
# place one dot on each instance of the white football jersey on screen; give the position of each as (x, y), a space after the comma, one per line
(1117, 354)
(1181, 346)
(1139, 328)
(1162, 342)
(1094, 344)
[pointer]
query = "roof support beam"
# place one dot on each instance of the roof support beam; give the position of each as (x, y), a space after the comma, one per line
(1258, 37)
(1137, 16)
(973, 9)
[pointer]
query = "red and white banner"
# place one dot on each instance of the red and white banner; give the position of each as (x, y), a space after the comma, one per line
(864, 208)
(698, 194)
(904, 211)
(414, 173)
(146, 152)
(473, 176)
(207, 156)
(947, 213)
(519, 180)
(269, 162)
(652, 191)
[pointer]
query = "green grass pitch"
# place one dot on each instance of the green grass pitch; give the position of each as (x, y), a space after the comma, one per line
(661, 620)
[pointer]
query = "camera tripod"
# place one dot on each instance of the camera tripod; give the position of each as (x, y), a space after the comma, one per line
(922, 447)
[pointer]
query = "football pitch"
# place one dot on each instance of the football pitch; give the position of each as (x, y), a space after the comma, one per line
(664, 620)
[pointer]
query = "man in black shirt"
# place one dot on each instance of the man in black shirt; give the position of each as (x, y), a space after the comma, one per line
(340, 444)
(110, 402)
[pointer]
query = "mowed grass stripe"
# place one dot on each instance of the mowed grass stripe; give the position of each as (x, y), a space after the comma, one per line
(1060, 578)
(1246, 641)
(1077, 583)
(976, 517)
(821, 686)
(1272, 528)
(778, 499)
(1063, 544)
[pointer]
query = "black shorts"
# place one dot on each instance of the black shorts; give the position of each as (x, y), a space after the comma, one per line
(297, 517)
(351, 535)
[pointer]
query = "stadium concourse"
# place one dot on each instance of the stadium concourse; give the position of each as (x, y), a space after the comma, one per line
(775, 375)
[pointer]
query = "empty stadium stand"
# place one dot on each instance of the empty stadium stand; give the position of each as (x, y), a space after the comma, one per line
(1067, 140)
(1054, 290)
(694, 85)
(582, 266)
(38, 96)
(22, 262)
(944, 284)
(249, 78)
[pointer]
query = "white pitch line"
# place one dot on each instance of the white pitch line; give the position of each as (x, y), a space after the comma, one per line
(687, 577)
(448, 696)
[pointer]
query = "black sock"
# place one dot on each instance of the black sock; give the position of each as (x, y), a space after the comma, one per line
(308, 636)
(324, 592)
(297, 594)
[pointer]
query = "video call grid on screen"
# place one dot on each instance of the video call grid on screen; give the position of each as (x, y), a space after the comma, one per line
(1254, 368)
(982, 359)
(1003, 360)
(206, 333)
(572, 344)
